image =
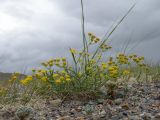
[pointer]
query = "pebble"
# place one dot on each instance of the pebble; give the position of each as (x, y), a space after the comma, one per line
(102, 113)
(118, 101)
(157, 116)
(125, 106)
(55, 103)
(146, 116)
(64, 118)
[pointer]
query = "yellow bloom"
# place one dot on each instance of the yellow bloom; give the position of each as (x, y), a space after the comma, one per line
(104, 65)
(38, 75)
(63, 72)
(110, 62)
(67, 76)
(14, 78)
(58, 59)
(90, 34)
(61, 78)
(79, 74)
(58, 81)
(64, 59)
(73, 51)
(44, 78)
(26, 80)
(68, 79)
(50, 64)
(126, 72)
(29, 78)
(55, 75)
(64, 63)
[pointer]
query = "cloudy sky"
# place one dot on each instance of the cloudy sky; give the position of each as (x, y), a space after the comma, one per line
(35, 30)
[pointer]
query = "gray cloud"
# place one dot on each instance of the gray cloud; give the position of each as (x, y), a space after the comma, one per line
(33, 31)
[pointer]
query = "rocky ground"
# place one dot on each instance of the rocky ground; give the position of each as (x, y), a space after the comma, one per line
(142, 102)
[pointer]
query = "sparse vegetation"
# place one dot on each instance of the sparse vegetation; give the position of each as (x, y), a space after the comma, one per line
(84, 76)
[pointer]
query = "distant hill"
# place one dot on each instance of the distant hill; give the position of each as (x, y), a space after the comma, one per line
(7, 76)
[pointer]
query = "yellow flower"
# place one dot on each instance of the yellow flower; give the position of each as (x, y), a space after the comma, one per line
(92, 61)
(90, 34)
(64, 59)
(58, 81)
(38, 75)
(110, 62)
(79, 74)
(64, 63)
(63, 72)
(43, 71)
(68, 79)
(126, 72)
(67, 76)
(104, 65)
(61, 78)
(55, 75)
(14, 78)
(44, 78)
(96, 40)
(50, 64)
(99, 56)
(73, 51)
(29, 78)
(58, 59)
(26, 80)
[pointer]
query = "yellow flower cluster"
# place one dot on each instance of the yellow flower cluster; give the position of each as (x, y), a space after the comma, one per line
(138, 60)
(61, 77)
(126, 72)
(105, 47)
(14, 77)
(113, 71)
(26, 80)
(57, 62)
(93, 38)
(122, 59)
(103, 65)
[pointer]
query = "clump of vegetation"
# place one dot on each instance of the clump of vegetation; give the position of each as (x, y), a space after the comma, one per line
(89, 70)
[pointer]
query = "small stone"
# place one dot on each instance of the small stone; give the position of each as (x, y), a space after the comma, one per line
(120, 94)
(118, 101)
(135, 117)
(157, 116)
(64, 118)
(79, 118)
(125, 106)
(103, 90)
(102, 113)
(79, 109)
(125, 113)
(96, 116)
(73, 111)
(100, 101)
(146, 116)
(56, 103)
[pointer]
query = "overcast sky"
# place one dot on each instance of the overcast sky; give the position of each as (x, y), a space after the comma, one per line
(35, 30)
